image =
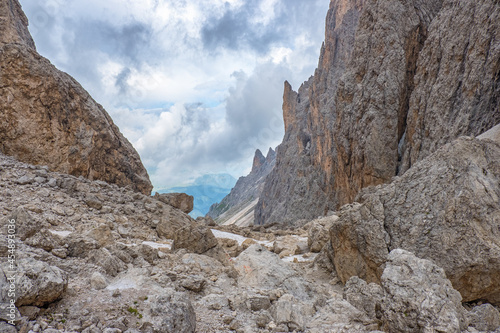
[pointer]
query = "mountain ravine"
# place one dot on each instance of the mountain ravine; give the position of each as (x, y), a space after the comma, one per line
(379, 212)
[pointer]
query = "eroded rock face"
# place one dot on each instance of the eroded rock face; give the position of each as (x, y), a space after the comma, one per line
(395, 81)
(301, 185)
(47, 118)
(457, 79)
(445, 208)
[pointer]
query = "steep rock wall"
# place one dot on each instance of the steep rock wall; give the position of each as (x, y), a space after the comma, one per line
(396, 80)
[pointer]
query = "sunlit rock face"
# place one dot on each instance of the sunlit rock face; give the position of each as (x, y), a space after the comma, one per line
(395, 81)
(47, 117)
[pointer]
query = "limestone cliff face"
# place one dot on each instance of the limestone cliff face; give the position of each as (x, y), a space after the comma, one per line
(301, 185)
(457, 84)
(395, 81)
(48, 118)
(244, 194)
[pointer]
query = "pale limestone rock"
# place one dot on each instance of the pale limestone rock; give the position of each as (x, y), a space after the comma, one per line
(317, 234)
(37, 282)
(484, 318)
(364, 297)
(195, 238)
(98, 281)
(260, 268)
(172, 312)
(291, 312)
(418, 297)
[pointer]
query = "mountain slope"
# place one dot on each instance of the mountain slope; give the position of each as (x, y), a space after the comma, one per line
(237, 207)
(47, 117)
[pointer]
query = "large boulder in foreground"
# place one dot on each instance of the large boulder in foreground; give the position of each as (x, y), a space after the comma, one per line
(418, 297)
(47, 117)
(446, 208)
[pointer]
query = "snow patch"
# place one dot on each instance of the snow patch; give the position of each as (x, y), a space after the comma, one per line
(64, 233)
(155, 245)
(223, 234)
(122, 284)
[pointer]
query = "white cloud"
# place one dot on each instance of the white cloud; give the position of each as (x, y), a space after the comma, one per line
(196, 86)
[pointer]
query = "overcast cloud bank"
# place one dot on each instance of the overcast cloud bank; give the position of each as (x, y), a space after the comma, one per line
(195, 86)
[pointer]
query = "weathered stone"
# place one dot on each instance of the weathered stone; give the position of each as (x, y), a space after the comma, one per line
(98, 281)
(363, 296)
(7, 328)
(418, 297)
(319, 233)
(230, 246)
(48, 118)
(180, 201)
(173, 313)
(31, 312)
(103, 258)
(20, 223)
(484, 318)
(257, 303)
(24, 180)
(445, 208)
(171, 222)
(194, 283)
(194, 238)
(37, 283)
(291, 312)
(215, 302)
(261, 268)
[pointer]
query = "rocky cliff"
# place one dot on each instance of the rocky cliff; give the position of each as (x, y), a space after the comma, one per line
(395, 81)
(445, 208)
(238, 206)
(47, 118)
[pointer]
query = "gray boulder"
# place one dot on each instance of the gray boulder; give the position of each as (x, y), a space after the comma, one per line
(195, 238)
(172, 312)
(484, 318)
(37, 283)
(419, 297)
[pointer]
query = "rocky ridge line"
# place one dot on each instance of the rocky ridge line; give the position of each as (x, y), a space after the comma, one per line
(47, 117)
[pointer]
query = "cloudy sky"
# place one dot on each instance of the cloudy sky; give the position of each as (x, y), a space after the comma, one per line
(196, 86)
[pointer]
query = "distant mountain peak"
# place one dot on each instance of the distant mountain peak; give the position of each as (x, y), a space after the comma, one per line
(258, 160)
